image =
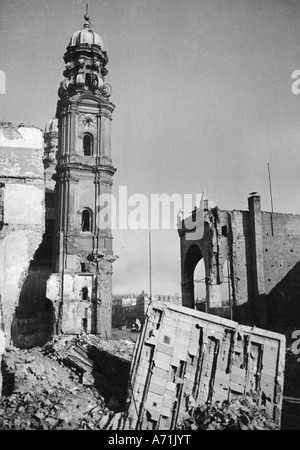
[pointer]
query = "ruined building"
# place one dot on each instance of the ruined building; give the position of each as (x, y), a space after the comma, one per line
(55, 261)
(22, 212)
(262, 250)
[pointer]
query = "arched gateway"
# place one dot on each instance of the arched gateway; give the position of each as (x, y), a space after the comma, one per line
(208, 240)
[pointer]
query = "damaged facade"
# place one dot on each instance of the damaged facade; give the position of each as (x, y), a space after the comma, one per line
(184, 358)
(22, 213)
(55, 261)
(262, 250)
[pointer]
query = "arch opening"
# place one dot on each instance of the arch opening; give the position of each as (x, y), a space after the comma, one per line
(200, 286)
(192, 258)
(87, 145)
(86, 220)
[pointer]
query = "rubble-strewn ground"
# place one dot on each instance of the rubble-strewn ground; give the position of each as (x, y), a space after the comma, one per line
(241, 413)
(45, 389)
(81, 383)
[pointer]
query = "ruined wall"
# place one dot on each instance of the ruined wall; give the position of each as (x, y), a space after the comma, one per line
(281, 250)
(240, 252)
(22, 181)
(264, 254)
(212, 246)
(86, 305)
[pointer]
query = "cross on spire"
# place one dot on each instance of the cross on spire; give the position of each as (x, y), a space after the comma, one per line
(86, 16)
(87, 19)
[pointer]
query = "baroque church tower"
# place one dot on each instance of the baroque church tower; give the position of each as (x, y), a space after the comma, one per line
(81, 288)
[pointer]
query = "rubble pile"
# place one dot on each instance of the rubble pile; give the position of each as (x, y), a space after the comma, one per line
(100, 363)
(60, 346)
(240, 413)
(60, 385)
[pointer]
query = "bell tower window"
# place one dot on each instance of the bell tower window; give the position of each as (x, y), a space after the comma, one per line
(85, 293)
(87, 145)
(86, 220)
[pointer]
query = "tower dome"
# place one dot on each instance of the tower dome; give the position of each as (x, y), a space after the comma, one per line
(86, 37)
(86, 62)
(51, 126)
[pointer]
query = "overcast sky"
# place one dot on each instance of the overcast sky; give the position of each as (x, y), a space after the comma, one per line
(203, 102)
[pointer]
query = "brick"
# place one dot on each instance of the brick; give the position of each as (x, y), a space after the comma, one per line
(171, 386)
(183, 335)
(160, 373)
(267, 379)
(269, 371)
(163, 357)
(162, 365)
(142, 371)
(158, 380)
(154, 400)
(168, 402)
(182, 347)
(223, 376)
(166, 411)
(238, 372)
(171, 322)
(169, 394)
(175, 361)
(155, 414)
(165, 349)
(157, 388)
(185, 326)
(180, 356)
(237, 387)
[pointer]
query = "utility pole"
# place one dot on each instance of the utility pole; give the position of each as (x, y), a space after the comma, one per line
(271, 196)
(150, 274)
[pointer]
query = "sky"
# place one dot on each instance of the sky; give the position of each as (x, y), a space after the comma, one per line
(203, 99)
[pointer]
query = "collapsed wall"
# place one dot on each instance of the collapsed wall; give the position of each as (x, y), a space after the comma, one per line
(22, 215)
(185, 358)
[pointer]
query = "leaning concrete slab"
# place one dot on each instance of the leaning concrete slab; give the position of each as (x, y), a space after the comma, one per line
(184, 358)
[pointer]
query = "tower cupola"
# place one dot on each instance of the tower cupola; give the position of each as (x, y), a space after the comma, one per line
(86, 37)
(86, 62)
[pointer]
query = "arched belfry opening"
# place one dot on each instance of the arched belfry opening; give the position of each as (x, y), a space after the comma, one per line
(86, 220)
(192, 258)
(87, 144)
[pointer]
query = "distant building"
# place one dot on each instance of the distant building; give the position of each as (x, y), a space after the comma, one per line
(167, 298)
(126, 309)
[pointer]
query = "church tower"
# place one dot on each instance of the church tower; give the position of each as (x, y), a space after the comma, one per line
(81, 288)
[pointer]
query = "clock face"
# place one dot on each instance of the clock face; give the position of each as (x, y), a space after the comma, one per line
(87, 121)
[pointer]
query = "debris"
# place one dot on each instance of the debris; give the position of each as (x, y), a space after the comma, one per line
(240, 413)
(183, 362)
(54, 387)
